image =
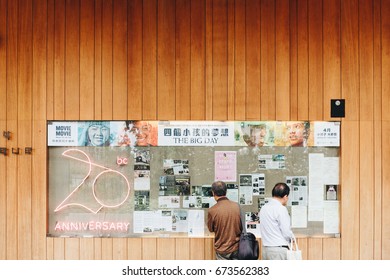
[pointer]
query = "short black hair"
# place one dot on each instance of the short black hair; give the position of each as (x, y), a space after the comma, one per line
(280, 190)
(219, 188)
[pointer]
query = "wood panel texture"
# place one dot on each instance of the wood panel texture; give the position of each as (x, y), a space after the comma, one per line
(3, 126)
(193, 60)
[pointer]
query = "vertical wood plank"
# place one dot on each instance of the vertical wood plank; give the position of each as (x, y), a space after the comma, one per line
(107, 60)
(293, 59)
(198, 60)
(166, 249)
(209, 252)
(49, 248)
(366, 70)
(50, 31)
(303, 246)
(107, 249)
(282, 51)
(149, 54)
(72, 248)
(385, 59)
(314, 249)
(350, 189)
(366, 190)
(303, 61)
(366, 62)
(331, 54)
(183, 60)
(240, 62)
(59, 60)
(134, 63)
(230, 60)
(182, 250)
(149, 248)
(87, 57)
(58, 249)
(220, 54)
(166, 95)
(253, 59)
(98, 61)
(3, 125)
(97, 242)
(209, 59)
(120, 60)
(331, 249)
(386, 192)
(25, 67)
(350, 57)
(12, 116)
(39, 183)
(72, 60)
(377, 130)
(134, 248)
(40, 65)
(268, 82)
(385, 128)
(87, 249)
(119, 249)
(197, 248)
(315, 18)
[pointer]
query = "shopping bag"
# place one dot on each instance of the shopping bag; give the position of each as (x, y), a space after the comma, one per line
(293, 253)
(248, 248)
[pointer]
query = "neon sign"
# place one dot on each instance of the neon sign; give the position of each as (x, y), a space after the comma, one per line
(92, 226)
(66, 202)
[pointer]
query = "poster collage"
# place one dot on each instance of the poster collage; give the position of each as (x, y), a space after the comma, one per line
(193, 133)
(181, 204)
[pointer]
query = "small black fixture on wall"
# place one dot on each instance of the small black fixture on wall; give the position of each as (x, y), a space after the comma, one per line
(337, 108)
(7, 134)
(3, 151)
(15, 151)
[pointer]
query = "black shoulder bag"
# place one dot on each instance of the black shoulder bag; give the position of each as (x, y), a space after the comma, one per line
(249, 246)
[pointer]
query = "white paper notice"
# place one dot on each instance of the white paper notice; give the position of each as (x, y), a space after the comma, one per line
(331, 170)
(316, 193)
(168, 201)
(62, 134)
(299, 217)
(331, 217)
(196, 223)
(143, 221)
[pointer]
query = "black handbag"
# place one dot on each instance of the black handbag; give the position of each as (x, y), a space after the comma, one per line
(249, 246)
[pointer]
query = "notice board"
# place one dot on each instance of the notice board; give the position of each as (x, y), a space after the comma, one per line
(143, 178)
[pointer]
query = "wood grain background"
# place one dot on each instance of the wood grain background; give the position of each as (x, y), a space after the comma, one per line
(193, 60)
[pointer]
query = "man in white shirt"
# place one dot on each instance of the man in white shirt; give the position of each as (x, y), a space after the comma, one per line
(275, 225)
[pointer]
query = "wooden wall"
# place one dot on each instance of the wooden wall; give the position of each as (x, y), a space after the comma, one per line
(193, 60)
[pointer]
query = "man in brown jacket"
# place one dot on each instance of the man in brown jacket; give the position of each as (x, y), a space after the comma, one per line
(224, 220)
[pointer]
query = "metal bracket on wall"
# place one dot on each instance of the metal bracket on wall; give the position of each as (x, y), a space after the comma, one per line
(15, 151)
(3, 151)
(28, 150)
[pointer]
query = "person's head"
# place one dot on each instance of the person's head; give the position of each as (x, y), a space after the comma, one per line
(298, 132)
(218, 189)
(281, 192)
(142, 130)
(98, 134)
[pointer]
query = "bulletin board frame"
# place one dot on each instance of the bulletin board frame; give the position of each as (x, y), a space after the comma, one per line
(153, 178)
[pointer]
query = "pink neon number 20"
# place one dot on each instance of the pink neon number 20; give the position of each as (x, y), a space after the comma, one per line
(68, 153)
